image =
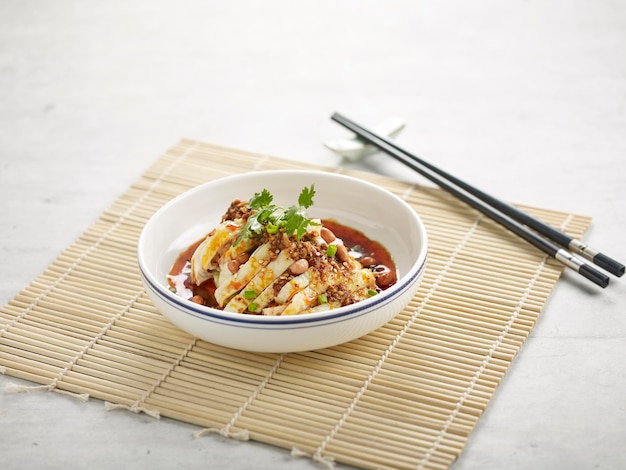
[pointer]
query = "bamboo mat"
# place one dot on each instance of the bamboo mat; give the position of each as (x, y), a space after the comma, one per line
(406, 396)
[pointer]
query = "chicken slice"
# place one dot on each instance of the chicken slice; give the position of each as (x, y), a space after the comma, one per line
(234, 283)
(294, 286)
(260, 282)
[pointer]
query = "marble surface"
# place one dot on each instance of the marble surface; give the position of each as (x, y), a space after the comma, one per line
(525, 99)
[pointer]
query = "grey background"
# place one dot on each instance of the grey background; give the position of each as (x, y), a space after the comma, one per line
(525, 99)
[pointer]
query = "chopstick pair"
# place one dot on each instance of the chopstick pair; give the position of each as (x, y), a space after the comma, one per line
(554, 244)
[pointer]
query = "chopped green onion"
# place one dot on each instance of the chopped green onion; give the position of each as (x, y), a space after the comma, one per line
(272, 229)
(252, 307)
(322, 299)
(249, 294)
(331, 250)
(371, 292)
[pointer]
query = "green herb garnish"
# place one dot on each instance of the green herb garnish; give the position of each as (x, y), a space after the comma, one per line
(252, 307)
(322, 299)
(249, 294)
(331, 251)
(271, 218)
(371, 292)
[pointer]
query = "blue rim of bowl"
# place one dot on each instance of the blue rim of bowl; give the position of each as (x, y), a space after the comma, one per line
(189, 308)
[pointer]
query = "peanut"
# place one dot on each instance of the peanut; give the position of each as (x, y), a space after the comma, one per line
(327, 235)
(367, 261)
(342, 253)
(299, 267)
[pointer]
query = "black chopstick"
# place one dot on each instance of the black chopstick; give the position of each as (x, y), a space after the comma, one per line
(493, 211)
(566, 241)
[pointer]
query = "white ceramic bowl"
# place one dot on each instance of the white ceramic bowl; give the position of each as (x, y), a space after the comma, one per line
(374, 211)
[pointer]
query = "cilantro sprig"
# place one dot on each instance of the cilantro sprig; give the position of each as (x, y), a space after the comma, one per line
(271, 218)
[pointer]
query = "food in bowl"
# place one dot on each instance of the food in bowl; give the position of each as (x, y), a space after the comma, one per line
(356, 203)
(264, 259)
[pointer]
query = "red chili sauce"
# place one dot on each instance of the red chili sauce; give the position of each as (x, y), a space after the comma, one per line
(371, 254)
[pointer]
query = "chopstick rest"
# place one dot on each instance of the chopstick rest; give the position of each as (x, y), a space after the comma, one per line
(513, 219)
(356, 148)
